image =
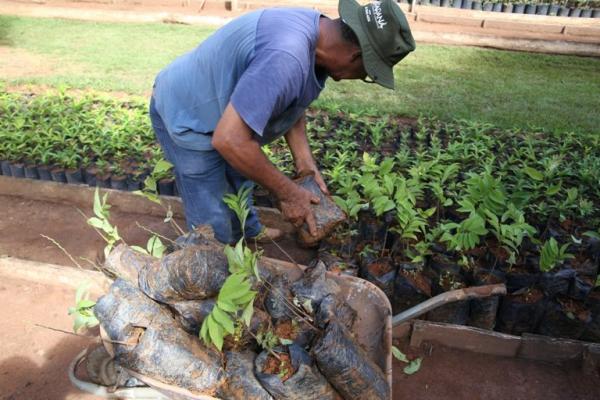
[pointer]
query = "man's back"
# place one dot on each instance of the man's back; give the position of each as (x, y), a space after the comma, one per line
(263, 62)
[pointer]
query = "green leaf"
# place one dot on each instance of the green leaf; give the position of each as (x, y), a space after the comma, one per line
(162, 166)
(97, 204)
(96, 223)
(413, 367)
(248, 312)
(216, 332)
(534, 174)
(245, 298)
(552, 190)
(139, 249)
(85, 304)
(400, 356)
(204, 332)
(223, 319)
(227, 306)
(231, 286)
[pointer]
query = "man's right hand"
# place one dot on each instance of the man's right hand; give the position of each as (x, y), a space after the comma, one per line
(295, 206)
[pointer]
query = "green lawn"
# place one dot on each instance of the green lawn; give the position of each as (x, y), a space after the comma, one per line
(506, 89)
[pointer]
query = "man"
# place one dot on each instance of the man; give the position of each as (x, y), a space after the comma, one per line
(250, 83)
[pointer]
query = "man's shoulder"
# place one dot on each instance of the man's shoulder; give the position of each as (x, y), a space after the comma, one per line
(289, 30)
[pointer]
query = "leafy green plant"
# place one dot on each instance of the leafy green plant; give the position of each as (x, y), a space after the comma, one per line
(466, 235)
(150, 191)
(238, 203)
(235, 301)
(154, 247)
(101, 222)
(83, 311)
(552, 255)
(510, 230)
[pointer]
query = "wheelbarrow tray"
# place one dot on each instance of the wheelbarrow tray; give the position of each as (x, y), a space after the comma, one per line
(372, 328)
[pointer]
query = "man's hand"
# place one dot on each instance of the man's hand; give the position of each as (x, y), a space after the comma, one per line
(233, 140)
(296, 209)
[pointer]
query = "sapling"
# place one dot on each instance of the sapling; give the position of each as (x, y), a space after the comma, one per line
(235, 301)
(551, 255)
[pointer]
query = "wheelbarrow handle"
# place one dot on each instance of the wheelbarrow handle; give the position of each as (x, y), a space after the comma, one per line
(449, 297)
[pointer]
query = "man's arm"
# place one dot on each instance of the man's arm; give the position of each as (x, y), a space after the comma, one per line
(232, 138)
(298, 144)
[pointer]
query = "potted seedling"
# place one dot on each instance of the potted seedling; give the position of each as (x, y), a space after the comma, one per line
(118, 177)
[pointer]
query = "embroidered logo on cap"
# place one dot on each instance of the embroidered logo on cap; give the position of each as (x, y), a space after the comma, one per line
(379, 20)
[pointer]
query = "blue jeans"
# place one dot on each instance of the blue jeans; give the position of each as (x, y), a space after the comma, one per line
(203, 178)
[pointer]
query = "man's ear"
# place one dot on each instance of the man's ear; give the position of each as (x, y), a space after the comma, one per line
(356, 54)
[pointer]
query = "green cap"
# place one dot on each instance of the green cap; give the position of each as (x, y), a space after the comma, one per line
(383, 34)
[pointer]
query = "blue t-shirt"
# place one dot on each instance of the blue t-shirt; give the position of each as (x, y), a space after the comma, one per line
(263, 63)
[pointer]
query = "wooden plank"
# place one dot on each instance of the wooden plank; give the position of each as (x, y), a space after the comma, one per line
(464, 338)
(544, 348)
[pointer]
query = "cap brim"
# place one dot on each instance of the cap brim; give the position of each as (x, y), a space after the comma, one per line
(375, 67)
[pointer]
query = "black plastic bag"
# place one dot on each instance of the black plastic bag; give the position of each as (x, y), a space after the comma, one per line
(158, 347)
(314, 285)
(126, 263)
(451, 313)
(482, 312)
(592, 330)
(411, 287)
(348, 367)
(338, 265)
(562, 323)
(305, 383)
(381, 272)
(333, 309)
(517, 280)
(327, 214)
(520, 313)
(279, 297)
(557, 283)
(193, 273)
(580, 288)
(241, 382)
(191, 313)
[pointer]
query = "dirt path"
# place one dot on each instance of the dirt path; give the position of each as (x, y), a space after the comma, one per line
(34, 360)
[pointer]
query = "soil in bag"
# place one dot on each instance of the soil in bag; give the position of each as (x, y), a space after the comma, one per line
(241, 382)
(193, 273)
(451, 313)
(348, 367)
(520, 312)
(482, 312)
(411, 287)
(381, 272)
(327, 214)
(564, 318)
(158, 348)
(338, 265)
(293, 376)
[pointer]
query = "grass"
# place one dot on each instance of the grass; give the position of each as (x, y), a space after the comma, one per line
(506, 89)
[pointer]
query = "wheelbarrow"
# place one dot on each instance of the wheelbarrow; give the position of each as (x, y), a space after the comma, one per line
(372, 330)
